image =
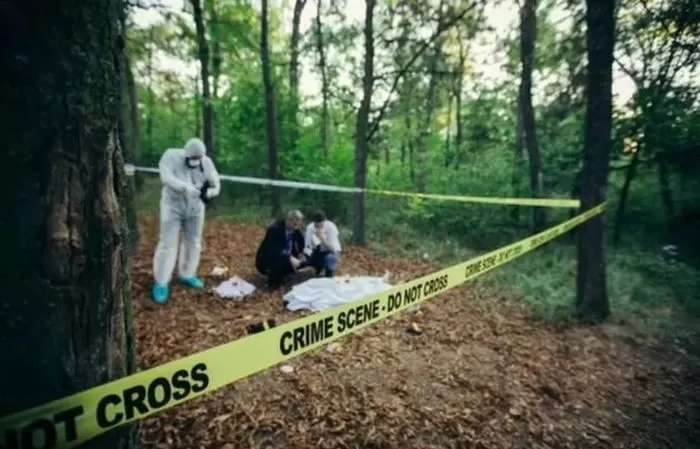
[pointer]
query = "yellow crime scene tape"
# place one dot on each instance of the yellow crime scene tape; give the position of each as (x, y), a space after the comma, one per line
(68, 422)
(130, 170)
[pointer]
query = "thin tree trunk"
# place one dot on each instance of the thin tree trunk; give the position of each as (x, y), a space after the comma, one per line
(518, 160)
(458, 105)
(528, 37)
(203, 53)
(197, 107)
(592, 298)
(426, 128)
(66, 316)
(362, 124)
(216, 60)
(630, 173)
(665, 190)
(294, 74)
(151, 96)
(320, 48)
(270, 112)
(448, 137)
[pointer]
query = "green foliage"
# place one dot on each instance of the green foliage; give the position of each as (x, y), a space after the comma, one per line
(482, 163)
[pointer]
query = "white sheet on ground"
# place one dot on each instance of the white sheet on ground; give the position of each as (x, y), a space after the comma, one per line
(319, 294)
(234, 288)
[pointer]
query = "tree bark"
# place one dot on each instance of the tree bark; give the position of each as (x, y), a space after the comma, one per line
(426, 128)
(518, 160)
(151, 95)
(197, 107)
(630, 174)
(321, 49)
(528, 37)
(215, 39)
(270, 111)
(128, 133)
(592, 298)
(65, 289)
(203, 53)
(665, 190)
(362, 124)
(458, 106)
(294, 73)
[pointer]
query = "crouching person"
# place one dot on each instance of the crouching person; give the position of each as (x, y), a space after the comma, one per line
(281, 251)
(322, 244)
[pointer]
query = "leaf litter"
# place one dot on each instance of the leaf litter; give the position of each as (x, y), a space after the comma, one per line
(483, 373)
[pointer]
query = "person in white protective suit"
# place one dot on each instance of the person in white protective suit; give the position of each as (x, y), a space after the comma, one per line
(189, 179)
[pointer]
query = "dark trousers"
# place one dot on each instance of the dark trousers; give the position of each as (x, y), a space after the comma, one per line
(276, 269)
(323, 260)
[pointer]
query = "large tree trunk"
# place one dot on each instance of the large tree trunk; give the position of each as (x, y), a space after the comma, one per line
(528, 36)
(362, 125)
(270, 112)
(65, 288)
(128, 132)
(592, 297)
(203, 53)
(321, 49)
(294, 73)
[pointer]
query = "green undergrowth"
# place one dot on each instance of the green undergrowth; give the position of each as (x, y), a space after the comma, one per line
(645, 291)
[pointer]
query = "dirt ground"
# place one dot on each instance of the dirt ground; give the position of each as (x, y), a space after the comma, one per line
(482, 375)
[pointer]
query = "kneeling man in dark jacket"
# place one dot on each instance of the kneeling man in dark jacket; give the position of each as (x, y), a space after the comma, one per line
(281, 251)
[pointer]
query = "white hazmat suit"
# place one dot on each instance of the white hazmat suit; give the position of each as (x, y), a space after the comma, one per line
(183, 173)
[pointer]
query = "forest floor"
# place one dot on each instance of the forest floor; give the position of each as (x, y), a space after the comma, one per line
(484, 373)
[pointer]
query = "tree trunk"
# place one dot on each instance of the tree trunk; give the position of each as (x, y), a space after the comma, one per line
(203, 53)
(197, 107)
(630, 173)
(294, 74)
(458, 106)
(362, 124)
(320, 48)
(426, 128)
(448, 137)
(128, 133)
(518, 160)
(528, 36)
(592, 298)
(151, 96)
(665, 190)
(270, 112)
(66, 313)
(215, 39)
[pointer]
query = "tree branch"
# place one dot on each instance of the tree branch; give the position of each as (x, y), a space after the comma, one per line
(442, 27)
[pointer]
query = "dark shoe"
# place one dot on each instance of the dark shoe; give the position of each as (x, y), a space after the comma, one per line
(261, 327)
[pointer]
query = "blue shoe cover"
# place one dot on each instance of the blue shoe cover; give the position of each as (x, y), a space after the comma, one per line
(160, 293)
(193, 282)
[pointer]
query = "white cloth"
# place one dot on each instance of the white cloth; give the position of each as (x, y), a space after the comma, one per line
(319, 294)
(181, 209)
(331, 234)
(234, 288)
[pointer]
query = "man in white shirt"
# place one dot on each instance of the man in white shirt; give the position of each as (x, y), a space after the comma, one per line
(322, 244)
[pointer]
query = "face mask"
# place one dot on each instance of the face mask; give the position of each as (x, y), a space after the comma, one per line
(193, 163)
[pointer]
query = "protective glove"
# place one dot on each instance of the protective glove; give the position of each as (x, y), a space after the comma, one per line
(204, 192)
(191, 191)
